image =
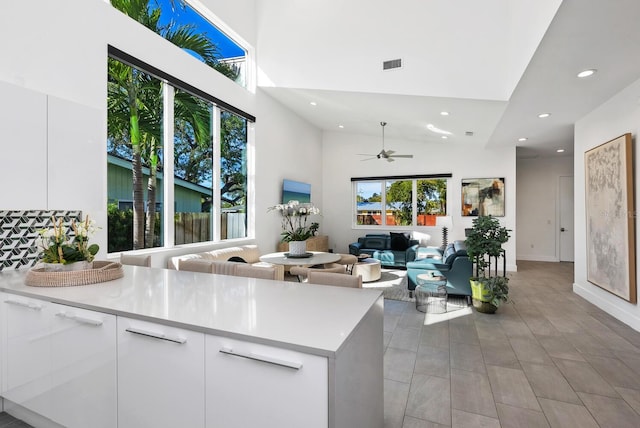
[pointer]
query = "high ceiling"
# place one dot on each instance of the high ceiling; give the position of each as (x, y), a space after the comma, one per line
(498, 109)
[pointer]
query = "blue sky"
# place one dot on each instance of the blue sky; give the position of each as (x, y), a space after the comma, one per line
(226, 47)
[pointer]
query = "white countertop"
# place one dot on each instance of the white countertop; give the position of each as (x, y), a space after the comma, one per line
(309, 318)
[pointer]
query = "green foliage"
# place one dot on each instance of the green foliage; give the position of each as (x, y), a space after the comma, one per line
(119, 229)
(485, 241)
(56, 245)
(495, 290)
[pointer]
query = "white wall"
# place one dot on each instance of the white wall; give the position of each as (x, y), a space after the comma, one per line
(538, 205)
(286, 147)
(341, 162)
(619, 115)
(63, 53)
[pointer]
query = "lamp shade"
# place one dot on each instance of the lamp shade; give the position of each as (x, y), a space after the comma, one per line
(444, 221)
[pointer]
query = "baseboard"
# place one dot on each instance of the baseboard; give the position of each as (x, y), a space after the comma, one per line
(620, 313)
(26, 415)
(534, 258)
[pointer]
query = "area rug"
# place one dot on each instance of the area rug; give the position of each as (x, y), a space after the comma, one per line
(393, 284)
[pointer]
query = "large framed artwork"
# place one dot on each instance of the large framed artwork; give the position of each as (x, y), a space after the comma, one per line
(610, 219)
(483, 196)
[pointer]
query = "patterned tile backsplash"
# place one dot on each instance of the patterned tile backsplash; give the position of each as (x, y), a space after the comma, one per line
(19, 231)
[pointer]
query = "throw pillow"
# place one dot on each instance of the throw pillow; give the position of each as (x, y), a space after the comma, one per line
(399, 241)
(237, 259)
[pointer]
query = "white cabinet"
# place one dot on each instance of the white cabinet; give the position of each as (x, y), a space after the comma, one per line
(160, 376)
(27, 360)
(60, 362)
(83, 368)
(23, 164)
(254, 385)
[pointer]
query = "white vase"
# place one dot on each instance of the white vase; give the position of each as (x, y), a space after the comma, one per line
(57, 267)
(297, 248)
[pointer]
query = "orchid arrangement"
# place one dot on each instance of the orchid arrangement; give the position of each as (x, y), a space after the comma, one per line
(295, 217)
(56, 246)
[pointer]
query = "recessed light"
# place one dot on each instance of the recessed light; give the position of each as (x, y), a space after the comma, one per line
(444, 113)
(444, 137)
(313, 103)
(341, 126)
(522, 139)
(543, 115)
(560, 150)
(587, 73)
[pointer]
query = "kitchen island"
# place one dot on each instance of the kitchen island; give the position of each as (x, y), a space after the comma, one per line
(161, 347)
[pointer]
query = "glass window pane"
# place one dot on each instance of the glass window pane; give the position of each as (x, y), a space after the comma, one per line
(193, 168)
(432, 201)
(134, 147)
(399, 199)
(233, 176)
(186, 28)
(369, 203)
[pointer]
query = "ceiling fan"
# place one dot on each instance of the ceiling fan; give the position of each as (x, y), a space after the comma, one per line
(389, 155)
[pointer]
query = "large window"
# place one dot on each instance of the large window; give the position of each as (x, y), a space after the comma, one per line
(399, 201)
(175, 158)
(192, 30)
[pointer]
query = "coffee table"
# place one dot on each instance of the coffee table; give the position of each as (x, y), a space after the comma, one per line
(369, 269)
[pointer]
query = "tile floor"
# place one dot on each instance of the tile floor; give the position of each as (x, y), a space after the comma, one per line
(549, 359)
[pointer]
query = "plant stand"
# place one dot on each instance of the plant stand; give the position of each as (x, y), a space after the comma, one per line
(484, 307)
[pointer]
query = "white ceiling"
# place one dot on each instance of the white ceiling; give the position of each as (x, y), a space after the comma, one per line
(601, 34)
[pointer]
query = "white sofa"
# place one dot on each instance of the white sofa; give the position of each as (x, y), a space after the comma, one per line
(249, 253)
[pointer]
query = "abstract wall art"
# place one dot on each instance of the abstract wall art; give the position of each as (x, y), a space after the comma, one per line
(483, 196)
(610, 217)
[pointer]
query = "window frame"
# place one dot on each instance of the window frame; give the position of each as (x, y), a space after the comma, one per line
(170, 84)
(383, 185)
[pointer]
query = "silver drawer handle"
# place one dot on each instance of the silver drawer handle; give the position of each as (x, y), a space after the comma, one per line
(33, 306)
(160, 336)
(263, 358)
(81, 320)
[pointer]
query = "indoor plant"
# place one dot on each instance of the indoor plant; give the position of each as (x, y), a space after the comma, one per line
(484, 244)
(295, 224)
(60, 251)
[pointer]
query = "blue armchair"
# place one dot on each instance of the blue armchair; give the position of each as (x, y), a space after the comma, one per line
(455, 266)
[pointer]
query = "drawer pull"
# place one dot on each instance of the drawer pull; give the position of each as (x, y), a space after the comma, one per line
(160, 336)
(33, 306)
(81, 320)
(262, 358)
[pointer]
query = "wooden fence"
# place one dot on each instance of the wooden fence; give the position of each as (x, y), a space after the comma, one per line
(196, 227)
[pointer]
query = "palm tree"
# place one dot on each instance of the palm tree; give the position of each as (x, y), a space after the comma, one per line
(135, 108)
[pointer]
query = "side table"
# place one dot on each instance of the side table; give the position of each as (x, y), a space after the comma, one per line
(431, 293)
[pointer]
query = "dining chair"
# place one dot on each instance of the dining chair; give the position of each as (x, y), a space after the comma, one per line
(197, 265)
(318, 276)
(302, 271)
(262, 272)
(348, 260)
(135, 260)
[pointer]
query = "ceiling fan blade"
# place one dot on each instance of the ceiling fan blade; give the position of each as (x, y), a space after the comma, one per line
(374, 157)
(390, 159)
(401, 156)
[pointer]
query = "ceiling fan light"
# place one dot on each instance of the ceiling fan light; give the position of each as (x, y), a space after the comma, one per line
(432, 128)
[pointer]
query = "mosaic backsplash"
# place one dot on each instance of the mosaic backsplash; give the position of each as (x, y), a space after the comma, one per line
(19, 231)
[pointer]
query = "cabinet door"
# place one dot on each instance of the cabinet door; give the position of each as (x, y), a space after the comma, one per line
(83, 348)
(27, 360)
(160, 376)
(253, 385)
(23, 164)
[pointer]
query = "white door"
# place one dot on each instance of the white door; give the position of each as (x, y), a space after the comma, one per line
(566, 219)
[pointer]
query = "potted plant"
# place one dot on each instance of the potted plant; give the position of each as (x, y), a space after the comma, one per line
(484, 244)
(295, 228)
(59, 251)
